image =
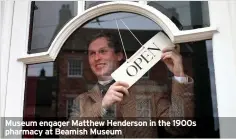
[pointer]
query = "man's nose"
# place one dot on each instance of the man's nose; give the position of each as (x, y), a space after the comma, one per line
(97, 56)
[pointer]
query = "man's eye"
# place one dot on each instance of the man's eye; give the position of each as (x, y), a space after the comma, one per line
(103, 51)
(91, 53)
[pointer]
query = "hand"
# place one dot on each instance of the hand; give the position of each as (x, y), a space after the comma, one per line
(115, 94)
(173, 61)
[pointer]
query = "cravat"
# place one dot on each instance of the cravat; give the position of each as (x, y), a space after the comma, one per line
(110, 111)
(103, 88)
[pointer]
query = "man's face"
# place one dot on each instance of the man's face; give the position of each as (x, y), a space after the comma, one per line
(102, 59)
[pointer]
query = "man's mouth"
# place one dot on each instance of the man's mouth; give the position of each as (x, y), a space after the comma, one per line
(100, 65)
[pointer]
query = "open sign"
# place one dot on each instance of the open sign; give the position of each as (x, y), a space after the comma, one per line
(145, 58)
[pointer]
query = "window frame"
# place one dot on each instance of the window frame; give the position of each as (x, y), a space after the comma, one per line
(176, 35)
(15, 31)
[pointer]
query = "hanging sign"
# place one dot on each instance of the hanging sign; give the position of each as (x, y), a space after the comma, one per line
(145, 58)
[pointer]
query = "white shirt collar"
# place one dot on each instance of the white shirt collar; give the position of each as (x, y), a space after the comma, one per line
(104, 82)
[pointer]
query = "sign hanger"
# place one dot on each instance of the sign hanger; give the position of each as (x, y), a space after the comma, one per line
(121, 37)
(143, 59)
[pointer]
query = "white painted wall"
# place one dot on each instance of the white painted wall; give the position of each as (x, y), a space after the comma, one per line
(1, 17)
(222, 15)
(1, 22)
(5, 43)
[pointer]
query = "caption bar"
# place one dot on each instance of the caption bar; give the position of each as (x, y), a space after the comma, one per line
(85, 127)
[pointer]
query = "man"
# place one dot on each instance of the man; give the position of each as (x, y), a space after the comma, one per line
(105, 56)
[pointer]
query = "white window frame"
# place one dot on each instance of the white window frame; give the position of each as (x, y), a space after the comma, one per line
(176, 35)
(68, 68)
(14, 45)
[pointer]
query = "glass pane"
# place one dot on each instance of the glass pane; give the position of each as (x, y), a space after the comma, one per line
(69, 105)
(41, 93)
(47, 19)
(100, 58)
(185, 14)
(89, 4)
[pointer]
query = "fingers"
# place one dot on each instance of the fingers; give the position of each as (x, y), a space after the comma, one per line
(171, 54)
(120, 83)
(167, 55)
(115, 94)
(121, 89)
(167, 49)
(173, 61)
(118, 94)
(117, 99)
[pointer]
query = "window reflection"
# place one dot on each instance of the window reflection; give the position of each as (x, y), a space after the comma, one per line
(185, 14)
(47, 19)
(75, 67)
(89, 4)
(41, 90)
(53, 80)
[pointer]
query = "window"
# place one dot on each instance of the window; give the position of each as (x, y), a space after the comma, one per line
(48, 17)
(41, 90)
(69, 104)
(181, 13)
(76, 44)
(194, 55)
(75, 67)
(89, 4)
